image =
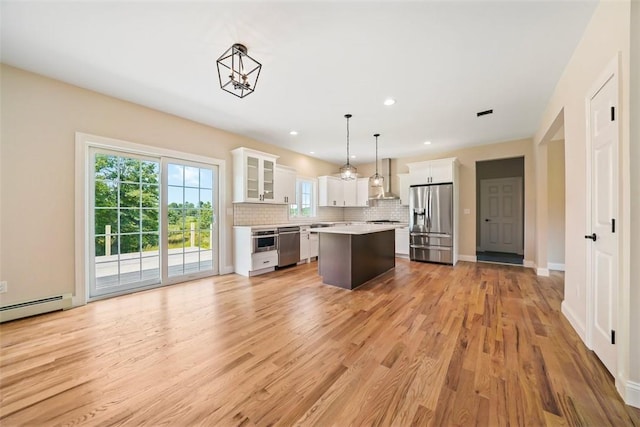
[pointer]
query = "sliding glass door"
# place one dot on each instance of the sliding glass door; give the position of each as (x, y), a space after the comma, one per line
(190, 211)
(138, 240)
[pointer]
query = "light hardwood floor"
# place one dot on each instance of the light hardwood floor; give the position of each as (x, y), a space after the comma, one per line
(424, 344)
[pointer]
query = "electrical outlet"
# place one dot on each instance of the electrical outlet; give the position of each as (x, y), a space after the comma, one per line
(4, 287)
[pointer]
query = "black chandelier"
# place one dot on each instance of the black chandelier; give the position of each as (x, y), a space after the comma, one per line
(348, 172)
(237, 71)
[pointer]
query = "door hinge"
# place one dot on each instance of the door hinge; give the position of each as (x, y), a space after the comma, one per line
(613, 336)
(613, 114)
(613, 225)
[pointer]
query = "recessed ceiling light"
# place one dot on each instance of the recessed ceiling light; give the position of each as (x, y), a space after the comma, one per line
(389, 101)
(312, 152)
(293, 132)
(427, 143)
(353, 156)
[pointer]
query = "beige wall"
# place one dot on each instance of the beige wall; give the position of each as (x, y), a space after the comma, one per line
(40, 117)
(555, 202)
(606, 37)
(467, 158)
(634, 273)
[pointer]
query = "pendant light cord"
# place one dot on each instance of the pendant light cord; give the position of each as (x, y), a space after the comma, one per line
(347, 116)
(376, 135)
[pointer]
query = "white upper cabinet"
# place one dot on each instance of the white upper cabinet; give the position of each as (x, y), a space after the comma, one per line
(403, 181)
(432, 171)
(253, 176)
(350, 193)
(333, 191)
(362, 193)
(285, 185)
(330, 191)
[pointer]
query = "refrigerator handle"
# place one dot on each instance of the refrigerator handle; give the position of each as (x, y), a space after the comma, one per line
(428, 222)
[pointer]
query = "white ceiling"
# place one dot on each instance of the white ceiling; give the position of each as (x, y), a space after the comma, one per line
(442, 61)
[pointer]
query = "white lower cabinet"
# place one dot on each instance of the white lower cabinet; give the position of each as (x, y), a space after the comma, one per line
(260, 260)
(247, 263)
(308, 244)
(313, 245)
(304, 243)
(402, 241)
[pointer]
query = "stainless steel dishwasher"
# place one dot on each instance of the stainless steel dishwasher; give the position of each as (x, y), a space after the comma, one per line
(288, 245)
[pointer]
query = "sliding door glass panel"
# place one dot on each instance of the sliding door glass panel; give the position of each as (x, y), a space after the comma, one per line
(126, 223)
(191, 219)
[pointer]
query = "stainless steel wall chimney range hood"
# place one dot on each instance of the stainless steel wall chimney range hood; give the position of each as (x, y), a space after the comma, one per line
(384, 192)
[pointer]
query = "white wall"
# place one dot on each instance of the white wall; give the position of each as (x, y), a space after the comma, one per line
(606, 37)
(40, 117)
(634, 159)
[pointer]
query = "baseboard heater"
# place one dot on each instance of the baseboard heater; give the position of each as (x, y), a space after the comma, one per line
(31, 308)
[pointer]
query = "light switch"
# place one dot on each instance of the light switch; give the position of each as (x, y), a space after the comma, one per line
(467, 211)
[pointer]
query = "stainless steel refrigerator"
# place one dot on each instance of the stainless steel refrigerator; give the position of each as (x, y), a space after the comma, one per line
(431, 223)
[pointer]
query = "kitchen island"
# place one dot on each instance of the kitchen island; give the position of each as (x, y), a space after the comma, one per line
(351, 255)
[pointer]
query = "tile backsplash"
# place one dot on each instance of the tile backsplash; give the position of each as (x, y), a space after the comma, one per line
(257, 214)
(381, 209)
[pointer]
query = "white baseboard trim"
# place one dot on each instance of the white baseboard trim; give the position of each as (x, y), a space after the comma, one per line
(544, 272)
(576, 324)
(468, 258)
(227, 270)
(632, 394)
(529, 264)
(555, 266)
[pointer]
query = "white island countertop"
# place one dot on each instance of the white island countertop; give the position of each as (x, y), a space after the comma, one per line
(358, 228)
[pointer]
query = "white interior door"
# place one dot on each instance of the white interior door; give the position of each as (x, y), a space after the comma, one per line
(501, 215)
(602, 238)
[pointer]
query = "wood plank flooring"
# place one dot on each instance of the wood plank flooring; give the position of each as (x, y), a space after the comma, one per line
(424, 344)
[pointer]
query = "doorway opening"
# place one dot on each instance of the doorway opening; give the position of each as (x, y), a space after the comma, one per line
(500, 207)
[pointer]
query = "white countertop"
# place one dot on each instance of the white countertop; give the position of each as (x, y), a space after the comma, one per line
(289, 224)
(358, 228)
(332, 224)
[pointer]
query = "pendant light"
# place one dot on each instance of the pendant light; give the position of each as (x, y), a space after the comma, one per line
(348, 172)
(376, 180)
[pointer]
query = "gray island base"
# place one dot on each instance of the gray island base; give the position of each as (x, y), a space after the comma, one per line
(352, 255)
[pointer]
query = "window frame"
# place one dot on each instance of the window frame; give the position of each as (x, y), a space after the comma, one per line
(314, 198)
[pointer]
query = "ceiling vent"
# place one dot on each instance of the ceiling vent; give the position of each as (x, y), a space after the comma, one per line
(484, 113)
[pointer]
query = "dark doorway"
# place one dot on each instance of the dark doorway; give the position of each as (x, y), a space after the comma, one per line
(500, 210)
